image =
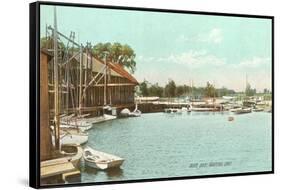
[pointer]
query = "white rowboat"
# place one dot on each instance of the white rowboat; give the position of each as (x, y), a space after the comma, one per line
(101, 160)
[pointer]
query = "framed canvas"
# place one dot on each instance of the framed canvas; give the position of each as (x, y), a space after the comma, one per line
(127, 94)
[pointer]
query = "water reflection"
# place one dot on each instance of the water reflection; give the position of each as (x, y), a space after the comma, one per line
(111, 173)
(114, 173)
(92, 171)
(202, 113)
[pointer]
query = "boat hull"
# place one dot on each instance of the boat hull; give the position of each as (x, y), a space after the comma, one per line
(74, 139)
(104, 166)
(242, 111)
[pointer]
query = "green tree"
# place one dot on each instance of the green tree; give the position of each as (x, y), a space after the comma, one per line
(180, 90)
(117, 53)
(47, 42)
(155, 90)
(266, 91)
(143, 88)
(170, 89)
(210, 90)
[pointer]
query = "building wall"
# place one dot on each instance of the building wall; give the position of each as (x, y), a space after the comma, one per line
(45, 135)
(117, 95)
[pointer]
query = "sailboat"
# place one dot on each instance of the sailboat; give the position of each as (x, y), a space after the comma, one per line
(81, 123)
(71, 136)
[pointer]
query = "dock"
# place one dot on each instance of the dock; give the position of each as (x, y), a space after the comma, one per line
(61, 169)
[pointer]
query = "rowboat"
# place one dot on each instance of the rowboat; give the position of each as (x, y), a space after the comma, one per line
(74, 152)
(101, 160)
(230, 118)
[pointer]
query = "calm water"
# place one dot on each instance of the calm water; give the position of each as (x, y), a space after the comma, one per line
(161, 145)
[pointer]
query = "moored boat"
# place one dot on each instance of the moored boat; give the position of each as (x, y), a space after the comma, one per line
(69, 153)
(74, 152)
(203, 109)
(172, 110)
(268, 109)
(101, 160)
(242, 111)
(257, 109)
(135, 113)
(72, 136)
(127, 113)
(235, 109)
(185, 109)
(230, 118)
(83, 126)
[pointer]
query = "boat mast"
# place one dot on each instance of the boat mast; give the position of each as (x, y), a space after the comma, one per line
(105, 78)
(56, 84)
(80, 80)
(246, 84)
(67, 74)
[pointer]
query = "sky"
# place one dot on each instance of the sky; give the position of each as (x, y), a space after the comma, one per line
(187, 48)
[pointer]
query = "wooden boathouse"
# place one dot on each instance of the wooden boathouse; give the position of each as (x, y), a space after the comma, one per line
(87, 84)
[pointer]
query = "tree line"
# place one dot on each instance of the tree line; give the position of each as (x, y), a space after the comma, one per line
(171, 89)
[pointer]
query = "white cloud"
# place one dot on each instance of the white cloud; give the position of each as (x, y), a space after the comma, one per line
(255, 62)
(196, 59)
(214, 36)
(190, 59)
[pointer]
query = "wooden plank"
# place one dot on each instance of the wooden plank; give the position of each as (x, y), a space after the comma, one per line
(55, 161)
(57, 169)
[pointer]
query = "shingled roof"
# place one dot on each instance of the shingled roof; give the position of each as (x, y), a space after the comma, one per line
(118, 68)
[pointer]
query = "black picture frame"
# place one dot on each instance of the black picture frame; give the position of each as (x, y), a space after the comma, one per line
(34, 90)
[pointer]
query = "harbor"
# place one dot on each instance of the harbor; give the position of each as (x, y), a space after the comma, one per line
(158, 144)
(99, 122)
